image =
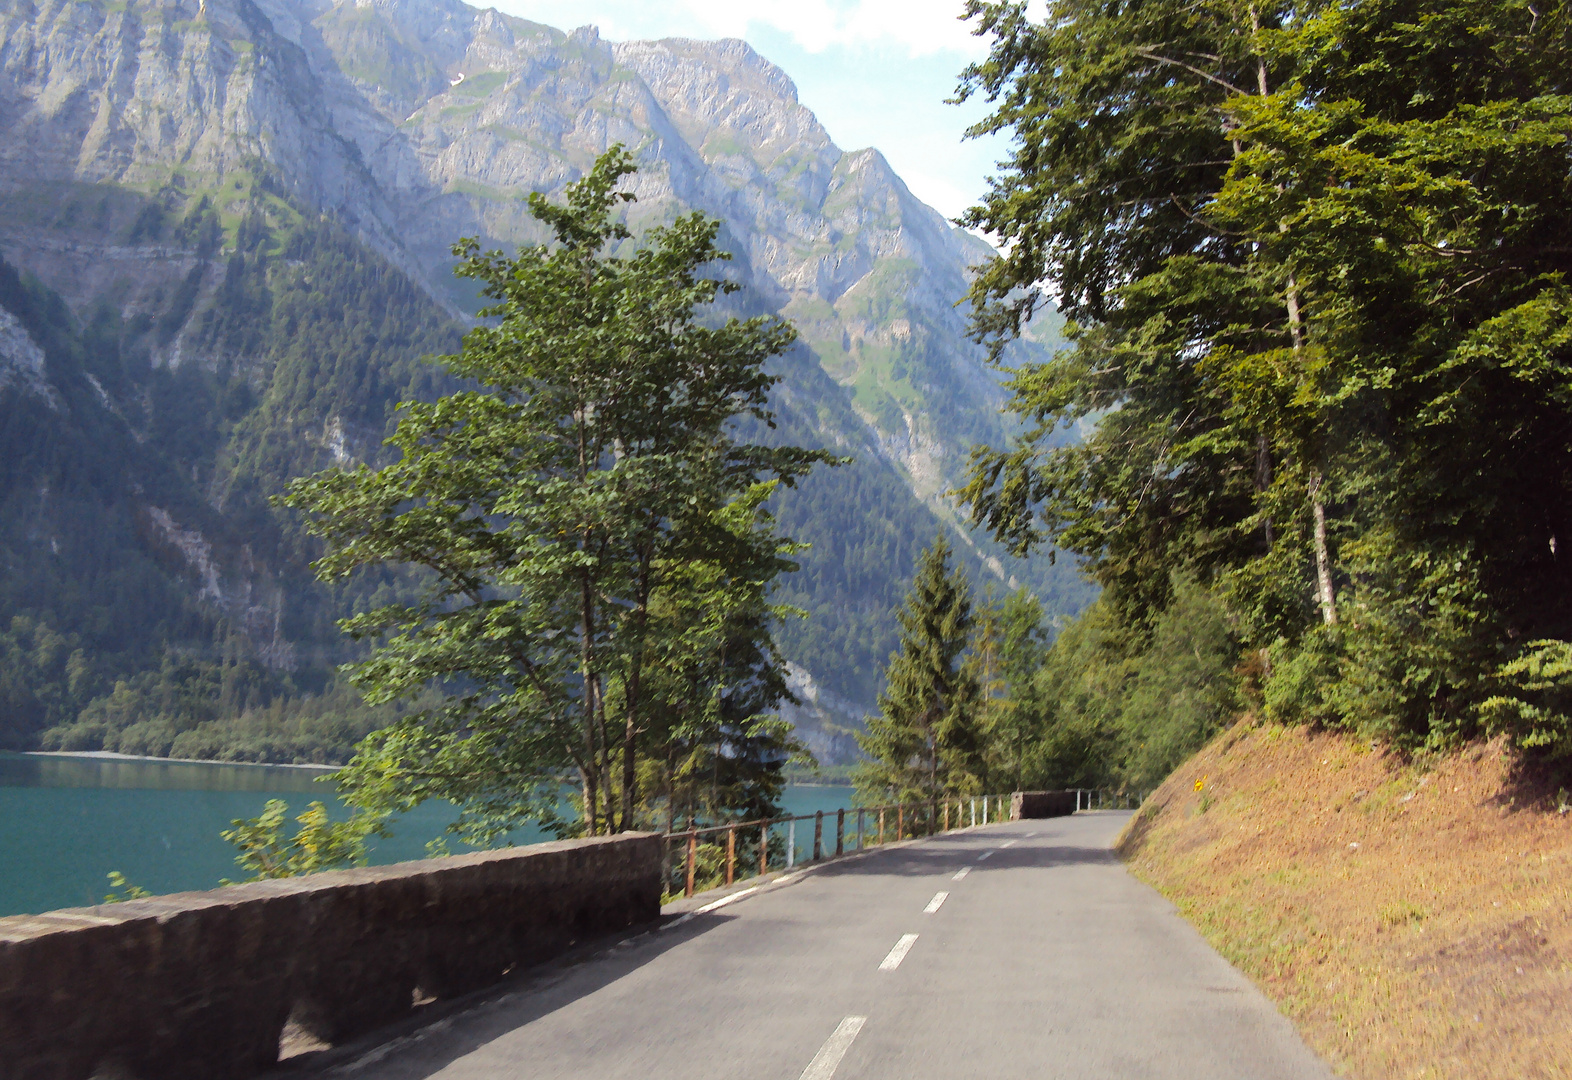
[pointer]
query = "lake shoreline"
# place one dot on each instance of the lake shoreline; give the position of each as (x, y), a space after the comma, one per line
(110, 755)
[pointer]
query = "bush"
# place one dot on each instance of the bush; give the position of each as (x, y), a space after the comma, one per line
(1296, 688)
(1536, 709)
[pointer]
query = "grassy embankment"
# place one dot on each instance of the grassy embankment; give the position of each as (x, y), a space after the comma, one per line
(1413, 916)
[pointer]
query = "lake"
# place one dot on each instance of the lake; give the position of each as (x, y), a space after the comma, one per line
(66, 822)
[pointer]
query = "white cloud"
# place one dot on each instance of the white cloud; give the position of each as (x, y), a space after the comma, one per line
(917, 28)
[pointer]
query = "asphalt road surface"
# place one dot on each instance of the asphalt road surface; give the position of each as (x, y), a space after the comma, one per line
(1019, 950)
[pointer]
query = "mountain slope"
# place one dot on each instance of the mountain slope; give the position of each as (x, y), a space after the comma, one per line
(200, 179)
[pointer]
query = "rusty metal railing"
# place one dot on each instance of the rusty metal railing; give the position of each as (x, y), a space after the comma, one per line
(727, 843)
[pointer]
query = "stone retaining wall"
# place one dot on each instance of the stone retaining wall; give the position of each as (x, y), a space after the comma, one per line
(1041, 804)
(199, 986)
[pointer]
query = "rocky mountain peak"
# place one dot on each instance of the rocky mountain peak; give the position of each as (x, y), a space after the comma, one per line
(153, 153)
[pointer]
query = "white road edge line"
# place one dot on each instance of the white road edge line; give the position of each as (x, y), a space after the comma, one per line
(962, 872)
(897, 954)
(828, 1059)
(713, 904)
(723, 901)
(936, 903)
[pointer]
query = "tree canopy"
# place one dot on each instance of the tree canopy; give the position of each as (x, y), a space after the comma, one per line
(592, 534)
(1314, 257)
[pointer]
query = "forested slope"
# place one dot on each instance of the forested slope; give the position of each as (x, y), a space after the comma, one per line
(255, 280)
(1315, 260)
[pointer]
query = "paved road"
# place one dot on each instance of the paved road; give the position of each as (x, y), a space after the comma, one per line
(1044, 959)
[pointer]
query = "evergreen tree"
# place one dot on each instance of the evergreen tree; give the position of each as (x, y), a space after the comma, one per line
(1008, 651)
(925, 742)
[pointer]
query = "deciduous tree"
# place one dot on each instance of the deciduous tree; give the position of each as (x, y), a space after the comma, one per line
(557, 510)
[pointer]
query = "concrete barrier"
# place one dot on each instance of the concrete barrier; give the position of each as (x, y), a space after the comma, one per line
(200, 986)
(1041, 804)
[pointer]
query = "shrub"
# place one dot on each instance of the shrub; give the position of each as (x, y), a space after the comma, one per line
(1536, 708)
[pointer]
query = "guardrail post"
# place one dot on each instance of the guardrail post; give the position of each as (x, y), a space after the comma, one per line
(946, 815)
(900, 821)
(764, 849)
(791, 843)
(731, 853)
(985, 809)
(881, 824)
(859, 828)
(693, 847)
(818, 835)
(840, 832)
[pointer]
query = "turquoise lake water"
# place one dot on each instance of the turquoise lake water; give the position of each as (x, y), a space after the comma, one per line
(66, 822)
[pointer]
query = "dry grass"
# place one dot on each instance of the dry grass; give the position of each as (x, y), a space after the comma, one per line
(1414, 918)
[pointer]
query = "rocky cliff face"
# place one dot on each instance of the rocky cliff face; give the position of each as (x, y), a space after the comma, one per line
(418, 121)
(153, 153)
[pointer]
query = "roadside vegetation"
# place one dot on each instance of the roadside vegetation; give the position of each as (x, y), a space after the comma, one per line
(1314, 264)
(1410, 913)
(592, 547)
(1313, 259)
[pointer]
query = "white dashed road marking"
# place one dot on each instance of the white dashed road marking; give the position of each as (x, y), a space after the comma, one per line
(936, 903)
(962, 872)
(825, 1062)
(984, 855)
(897, 954)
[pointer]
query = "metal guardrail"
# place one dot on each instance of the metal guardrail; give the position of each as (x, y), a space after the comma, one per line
(872, 825)
(905, 819)
(1108, 799)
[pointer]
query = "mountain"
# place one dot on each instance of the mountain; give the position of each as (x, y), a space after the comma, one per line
(226, 227)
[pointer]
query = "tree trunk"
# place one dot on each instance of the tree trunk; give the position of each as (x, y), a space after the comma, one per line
(588, 775)
(1323, 561)
(1263, 480)
(591, 779)
(630, 728)
(606, 772)
(630, 733)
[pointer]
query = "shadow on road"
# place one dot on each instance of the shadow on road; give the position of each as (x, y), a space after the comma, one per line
(448, 1030)
(444, 1032)
(939, 854)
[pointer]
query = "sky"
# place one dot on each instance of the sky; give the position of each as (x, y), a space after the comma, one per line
(875, 72)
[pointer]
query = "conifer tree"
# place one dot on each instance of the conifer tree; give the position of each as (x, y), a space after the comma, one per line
(925, 742)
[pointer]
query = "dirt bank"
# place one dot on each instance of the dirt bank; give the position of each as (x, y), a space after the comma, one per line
(1413, 917)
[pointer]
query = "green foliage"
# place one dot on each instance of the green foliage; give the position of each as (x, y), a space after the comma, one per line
(122, 890)
(1181, 690)
(1319, 326)
(319, 844)
(590, 535)
(1008, 648)
(925, 742)
(1536, 708)
(1112, 708)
